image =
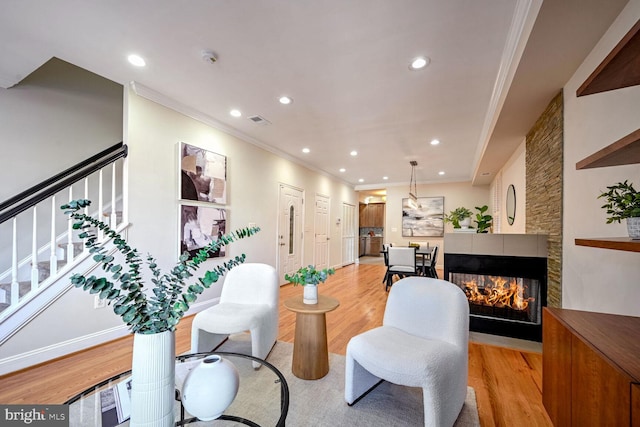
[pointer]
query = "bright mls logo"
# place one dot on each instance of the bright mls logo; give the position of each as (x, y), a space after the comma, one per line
(36, 415)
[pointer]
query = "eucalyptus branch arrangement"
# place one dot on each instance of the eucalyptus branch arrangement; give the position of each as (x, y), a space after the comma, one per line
(142, 311)
(309, 276)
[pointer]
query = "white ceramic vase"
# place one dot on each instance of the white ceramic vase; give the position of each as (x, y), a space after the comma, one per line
(153, 380)
(210, 388)
(310, 294)
(633, 227)
(465, 223)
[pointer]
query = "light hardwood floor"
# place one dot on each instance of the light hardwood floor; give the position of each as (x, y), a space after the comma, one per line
(508, 382)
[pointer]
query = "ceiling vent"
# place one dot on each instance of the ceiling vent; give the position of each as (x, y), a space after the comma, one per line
(259, 120)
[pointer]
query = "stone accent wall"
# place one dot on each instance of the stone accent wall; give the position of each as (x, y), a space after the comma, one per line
(544, 162)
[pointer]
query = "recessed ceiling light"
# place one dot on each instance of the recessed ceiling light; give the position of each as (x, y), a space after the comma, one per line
(136, 60)
(285, 100)
(435, 142)
(441, 173)
(361, 180)
(343, 170)
(354, 153)
(385, 177)
(306, 150)
(419, 63)
(235, 113)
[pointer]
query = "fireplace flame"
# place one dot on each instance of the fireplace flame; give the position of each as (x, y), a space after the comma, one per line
(499, 292)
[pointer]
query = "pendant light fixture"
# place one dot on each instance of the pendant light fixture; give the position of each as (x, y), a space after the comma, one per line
(413, 192)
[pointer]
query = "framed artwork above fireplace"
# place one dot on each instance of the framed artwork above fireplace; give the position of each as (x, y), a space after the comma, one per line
(425, 221)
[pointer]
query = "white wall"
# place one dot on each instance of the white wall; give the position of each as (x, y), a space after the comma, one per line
(455, 195)
(253, 176)
(55, 118)
(152, 134)
(598, 279)
(513, 172)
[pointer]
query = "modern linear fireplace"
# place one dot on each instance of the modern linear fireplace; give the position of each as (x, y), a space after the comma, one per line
(506, 293)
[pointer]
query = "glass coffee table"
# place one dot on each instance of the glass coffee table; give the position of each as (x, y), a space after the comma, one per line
(262, 399)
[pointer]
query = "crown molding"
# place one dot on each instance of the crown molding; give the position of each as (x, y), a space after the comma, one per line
(159, 98)
(522, 23)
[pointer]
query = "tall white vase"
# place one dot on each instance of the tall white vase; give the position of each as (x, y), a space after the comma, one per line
(153, 380)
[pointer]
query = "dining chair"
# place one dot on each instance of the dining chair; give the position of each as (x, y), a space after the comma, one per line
(402, 262)
(385, 254)
(422, 258)
(430, 270)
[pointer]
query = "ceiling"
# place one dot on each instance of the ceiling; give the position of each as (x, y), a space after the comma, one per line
(495, 65)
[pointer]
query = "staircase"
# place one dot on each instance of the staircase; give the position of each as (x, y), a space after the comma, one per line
(37, 242)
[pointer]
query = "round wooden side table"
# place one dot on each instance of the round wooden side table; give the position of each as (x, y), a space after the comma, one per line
(310, 352)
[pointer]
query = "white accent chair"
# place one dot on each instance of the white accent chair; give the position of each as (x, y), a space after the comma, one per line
(248, 302)
(423, 342)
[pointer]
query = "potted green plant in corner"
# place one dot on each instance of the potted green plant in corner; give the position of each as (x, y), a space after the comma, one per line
(152, 314)
(483, 220)
(459, 217)
(309, 277)
(623, 202)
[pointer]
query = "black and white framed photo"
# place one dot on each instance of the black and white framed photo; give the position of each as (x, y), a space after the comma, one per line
(203, 175)
(425, 220)
(199, 227)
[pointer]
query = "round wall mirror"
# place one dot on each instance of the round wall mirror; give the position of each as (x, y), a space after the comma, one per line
(511, 204)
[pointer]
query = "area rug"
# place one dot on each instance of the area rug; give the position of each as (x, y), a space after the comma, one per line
(320, 403)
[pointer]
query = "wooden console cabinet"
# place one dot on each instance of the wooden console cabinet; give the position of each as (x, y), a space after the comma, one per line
(591, 368)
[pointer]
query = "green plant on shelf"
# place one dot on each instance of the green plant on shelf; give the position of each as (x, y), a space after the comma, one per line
(623, 201)
(483, 220)
(457, 215)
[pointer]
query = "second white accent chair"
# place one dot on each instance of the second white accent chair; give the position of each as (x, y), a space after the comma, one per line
(248, 302)
(423, 342)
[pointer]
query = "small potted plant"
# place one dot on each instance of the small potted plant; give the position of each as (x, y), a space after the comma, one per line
(309, 277)
(483, 220)
(623, 202)
(459, 217)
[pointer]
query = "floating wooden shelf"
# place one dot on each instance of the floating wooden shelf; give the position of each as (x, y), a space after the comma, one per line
(625, 151)
(621, 68)
(618, 243)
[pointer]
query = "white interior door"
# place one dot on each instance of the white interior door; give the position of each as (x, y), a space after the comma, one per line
(321, 232)
(290, 236)
(348, 234)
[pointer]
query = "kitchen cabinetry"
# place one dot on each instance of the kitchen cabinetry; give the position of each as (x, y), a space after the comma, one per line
(372, 215)
(590, 368)
(621, 68)
(374, 246)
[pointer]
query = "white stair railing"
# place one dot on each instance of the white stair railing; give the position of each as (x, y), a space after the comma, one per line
(25, 273)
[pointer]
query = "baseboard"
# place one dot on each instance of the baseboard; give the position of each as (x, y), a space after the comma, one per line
(45, 354)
